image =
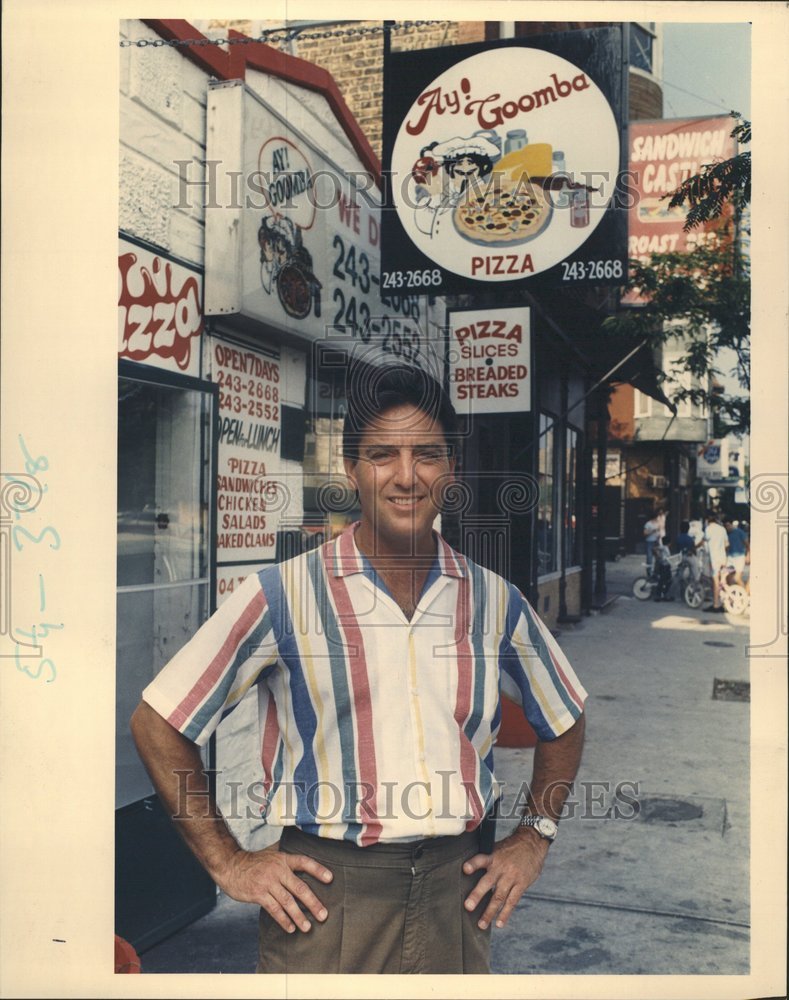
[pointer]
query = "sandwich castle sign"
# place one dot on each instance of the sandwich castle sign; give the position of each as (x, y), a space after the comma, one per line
(505, 165)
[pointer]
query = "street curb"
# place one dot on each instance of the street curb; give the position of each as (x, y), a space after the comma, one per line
(607, 604)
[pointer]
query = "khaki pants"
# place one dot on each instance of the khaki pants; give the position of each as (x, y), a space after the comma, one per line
(393, 908)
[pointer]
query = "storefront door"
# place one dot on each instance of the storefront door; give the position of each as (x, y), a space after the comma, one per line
(163, 596)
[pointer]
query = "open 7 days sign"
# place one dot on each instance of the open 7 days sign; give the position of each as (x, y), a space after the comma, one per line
(505, 165)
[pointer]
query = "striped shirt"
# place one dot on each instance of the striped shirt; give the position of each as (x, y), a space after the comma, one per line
(372, 727)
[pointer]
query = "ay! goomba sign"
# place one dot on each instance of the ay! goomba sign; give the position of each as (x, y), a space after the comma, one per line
(502, 167)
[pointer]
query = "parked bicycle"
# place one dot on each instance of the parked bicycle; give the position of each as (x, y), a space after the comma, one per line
(734, 598)
(681, 573)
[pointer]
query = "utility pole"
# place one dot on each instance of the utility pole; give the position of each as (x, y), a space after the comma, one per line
(600, 590)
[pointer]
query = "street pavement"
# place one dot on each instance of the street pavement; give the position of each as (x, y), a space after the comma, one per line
(649, 873)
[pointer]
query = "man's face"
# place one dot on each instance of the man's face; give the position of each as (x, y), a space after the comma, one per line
(402, 469)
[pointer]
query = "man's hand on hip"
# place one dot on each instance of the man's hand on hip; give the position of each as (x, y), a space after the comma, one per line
(268, 878)
(515, 864)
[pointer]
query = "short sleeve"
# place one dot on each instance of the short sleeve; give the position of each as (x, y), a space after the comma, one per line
(209, 676)
(536, 674)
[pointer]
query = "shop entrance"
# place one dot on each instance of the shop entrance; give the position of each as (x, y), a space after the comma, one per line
(163, 596)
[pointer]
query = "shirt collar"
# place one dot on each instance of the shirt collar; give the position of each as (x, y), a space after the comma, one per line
(345, 559)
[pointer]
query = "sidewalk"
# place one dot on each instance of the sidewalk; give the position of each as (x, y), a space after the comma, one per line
(664, 891)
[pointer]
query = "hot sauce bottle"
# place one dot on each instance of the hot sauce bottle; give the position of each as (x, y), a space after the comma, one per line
(579, 209)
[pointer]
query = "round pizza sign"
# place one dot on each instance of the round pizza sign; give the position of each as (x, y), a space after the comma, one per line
(505, 164)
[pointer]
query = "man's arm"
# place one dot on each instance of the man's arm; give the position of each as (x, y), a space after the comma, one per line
(517, 860)
(264, 877)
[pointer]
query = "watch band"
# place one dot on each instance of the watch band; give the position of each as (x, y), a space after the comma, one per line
(544, 826)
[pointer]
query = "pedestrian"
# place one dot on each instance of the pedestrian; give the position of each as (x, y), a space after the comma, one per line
(687, 544)
(739, 552)
(661, 553)
(717, 545)
(379, 661)
(696, 532)
(652, 535)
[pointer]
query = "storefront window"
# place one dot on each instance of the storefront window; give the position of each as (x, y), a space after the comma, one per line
(324, 473)
(162, 554)
(641, 42)
(571, 497)
(547, 561)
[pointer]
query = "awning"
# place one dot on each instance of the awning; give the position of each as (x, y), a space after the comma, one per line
(608, 356)
(639, 370)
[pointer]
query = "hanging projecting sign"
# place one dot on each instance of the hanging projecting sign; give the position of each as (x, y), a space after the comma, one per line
(160, 316)
(490, 360)
(504, 162)
(663, 154)
(712, 460)
(721, 462)
(292, 238)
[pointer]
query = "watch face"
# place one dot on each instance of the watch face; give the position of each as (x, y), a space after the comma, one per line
(546, 827)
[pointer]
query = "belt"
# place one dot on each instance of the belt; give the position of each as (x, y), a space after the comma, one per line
(429, 852)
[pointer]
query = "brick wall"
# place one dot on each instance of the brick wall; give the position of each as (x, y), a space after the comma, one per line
(356, 61)
(621, 410)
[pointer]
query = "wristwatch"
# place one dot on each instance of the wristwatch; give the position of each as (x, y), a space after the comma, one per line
(543, 825)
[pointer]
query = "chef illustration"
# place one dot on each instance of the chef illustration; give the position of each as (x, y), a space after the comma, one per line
(443, 172)
(278, 241)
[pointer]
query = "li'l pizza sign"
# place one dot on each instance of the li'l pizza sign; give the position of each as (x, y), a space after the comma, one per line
(505, 164)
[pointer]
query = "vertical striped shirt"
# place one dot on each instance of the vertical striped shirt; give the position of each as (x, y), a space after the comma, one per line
(372, 727)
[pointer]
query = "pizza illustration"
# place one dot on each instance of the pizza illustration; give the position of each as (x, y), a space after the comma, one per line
(503, 214)
(294, 291)
(287, 264)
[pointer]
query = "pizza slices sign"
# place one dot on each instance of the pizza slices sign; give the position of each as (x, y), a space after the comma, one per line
(489, 360)
(503, 167)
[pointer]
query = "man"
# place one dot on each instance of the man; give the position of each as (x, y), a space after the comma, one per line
(652, 535)
(739, 551)
(717, 546)
(696, 532)
(661, 553)
(687, 544)
(379, 661)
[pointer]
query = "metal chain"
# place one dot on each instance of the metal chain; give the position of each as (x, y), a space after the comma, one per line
(287, 35)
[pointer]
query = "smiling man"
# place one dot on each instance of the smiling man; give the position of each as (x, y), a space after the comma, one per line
(379, 662)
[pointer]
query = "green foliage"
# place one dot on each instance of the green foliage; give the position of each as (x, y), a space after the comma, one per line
(715, 184)
(703, 297)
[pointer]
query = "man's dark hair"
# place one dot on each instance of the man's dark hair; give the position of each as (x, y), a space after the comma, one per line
(373, 391)
(684, 527)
